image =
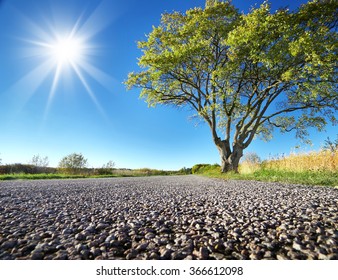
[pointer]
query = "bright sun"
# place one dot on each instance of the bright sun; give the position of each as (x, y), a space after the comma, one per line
(66, 51)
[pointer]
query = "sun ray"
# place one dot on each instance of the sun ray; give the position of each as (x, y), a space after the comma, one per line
(30, 82)
(58, 50)
(34, 29)
(53, 89)
(76, 26)
(97, 21)
(103, 78)
(88, 89)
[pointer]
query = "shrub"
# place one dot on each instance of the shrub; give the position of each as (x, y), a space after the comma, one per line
(73, 164)
(196, 168)
(252, 158)
(107, 169)
(251, 163)
(205, 168)
(185, 171)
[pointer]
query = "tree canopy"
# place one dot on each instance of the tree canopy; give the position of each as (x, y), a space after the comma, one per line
(245, 74)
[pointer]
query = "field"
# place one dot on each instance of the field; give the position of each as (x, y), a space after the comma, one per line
(27, 172)
(314, 168)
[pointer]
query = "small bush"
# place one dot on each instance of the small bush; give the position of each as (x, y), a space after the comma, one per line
(205, 168)
(184, 171)
(73, 164)
(104, 171)
(151, 172)
(251, 162)
(196, 168)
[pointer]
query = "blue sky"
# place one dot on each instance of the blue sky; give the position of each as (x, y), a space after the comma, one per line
(86, 108)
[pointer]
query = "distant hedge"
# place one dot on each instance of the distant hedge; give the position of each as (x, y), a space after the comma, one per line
(25, 168)
(19, 168)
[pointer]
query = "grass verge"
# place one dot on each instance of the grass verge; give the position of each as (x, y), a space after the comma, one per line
(320, 178)
(59, 176)
(118, 173)
(23, 176)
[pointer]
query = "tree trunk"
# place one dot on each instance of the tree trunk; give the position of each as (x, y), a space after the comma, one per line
(229, 159)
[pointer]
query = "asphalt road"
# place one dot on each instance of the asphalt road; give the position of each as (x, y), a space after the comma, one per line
(176, 217)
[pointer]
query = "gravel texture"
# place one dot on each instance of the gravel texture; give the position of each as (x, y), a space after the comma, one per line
(178, 217)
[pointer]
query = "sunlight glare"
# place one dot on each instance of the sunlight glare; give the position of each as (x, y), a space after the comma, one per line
(67, 51)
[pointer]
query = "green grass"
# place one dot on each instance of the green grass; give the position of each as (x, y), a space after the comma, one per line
(119, 173)
(23, 176)
(320, 178)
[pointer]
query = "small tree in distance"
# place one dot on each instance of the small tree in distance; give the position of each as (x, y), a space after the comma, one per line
(109, 165)
(107, 169)
(252, 158)
(39, 161)
(73, 163)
